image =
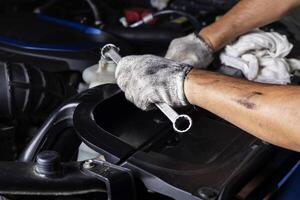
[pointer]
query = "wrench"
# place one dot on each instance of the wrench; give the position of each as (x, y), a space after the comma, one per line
(181, 123)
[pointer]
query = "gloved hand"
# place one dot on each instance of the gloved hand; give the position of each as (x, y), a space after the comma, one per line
(151, 79)
(190, 50)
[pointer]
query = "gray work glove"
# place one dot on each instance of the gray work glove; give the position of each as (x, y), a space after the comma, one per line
(151, 79)
(190, 50)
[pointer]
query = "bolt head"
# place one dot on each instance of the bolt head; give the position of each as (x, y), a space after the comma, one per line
(88, 164)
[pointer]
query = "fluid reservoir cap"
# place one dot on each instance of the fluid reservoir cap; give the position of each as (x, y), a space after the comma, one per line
(48, 164)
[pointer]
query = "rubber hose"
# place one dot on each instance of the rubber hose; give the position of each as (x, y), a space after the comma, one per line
(26, 90)
(95, 11)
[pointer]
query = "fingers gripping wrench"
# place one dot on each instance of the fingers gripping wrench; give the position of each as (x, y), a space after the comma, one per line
(181, 123)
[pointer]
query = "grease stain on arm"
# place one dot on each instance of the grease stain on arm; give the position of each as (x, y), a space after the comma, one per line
(246, 100)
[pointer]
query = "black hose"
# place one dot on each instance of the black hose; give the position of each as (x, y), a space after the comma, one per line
(91, 4)
(45, 6)
(95, 11)
(28, 91)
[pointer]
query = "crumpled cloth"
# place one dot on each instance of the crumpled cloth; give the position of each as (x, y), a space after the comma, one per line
(261, 56)
(159, 4)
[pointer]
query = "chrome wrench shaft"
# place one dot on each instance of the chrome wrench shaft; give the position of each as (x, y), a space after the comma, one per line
(181, 123)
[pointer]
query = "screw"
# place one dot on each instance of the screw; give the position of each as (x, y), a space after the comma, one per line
(88, 164)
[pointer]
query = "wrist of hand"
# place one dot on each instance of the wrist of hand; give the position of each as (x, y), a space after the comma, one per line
(203, 35)
(217, 35)
(188, 87)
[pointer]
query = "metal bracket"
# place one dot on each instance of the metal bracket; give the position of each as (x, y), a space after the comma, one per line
(118, 180)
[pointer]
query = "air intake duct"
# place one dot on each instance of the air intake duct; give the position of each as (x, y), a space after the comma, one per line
(28, 91)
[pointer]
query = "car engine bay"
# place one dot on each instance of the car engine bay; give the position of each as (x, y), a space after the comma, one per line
(68, 133)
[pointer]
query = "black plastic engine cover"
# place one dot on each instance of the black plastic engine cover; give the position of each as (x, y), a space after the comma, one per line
(213, 160)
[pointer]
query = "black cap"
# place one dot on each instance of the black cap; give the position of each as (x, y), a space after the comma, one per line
(48, 163)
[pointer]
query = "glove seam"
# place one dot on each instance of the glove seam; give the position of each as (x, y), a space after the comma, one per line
(208, 46)
(182, 98)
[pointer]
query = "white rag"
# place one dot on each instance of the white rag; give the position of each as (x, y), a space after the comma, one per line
(159, 4)
(261, 56)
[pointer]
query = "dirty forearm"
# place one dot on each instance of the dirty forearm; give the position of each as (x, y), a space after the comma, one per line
(269, 112)
(245, 16)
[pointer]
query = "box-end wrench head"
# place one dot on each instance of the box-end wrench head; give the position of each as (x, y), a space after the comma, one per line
(181, 123)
